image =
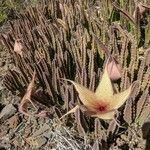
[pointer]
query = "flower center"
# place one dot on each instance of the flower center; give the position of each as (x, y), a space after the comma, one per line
(102, 107)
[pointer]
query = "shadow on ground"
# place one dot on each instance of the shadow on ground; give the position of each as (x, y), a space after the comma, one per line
(146, 134)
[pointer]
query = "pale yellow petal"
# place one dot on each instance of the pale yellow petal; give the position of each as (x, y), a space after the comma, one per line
(104, 89)
(87, 97)
(106, 116)
(119, 99)
(73, 110)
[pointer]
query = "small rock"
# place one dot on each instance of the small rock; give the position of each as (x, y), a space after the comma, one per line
(43, 129)
(48, 134)
(13, 121)
(7, 112)
(3, 131)
(37, 142)
(5, 143)
(17, 142)
(27, 130)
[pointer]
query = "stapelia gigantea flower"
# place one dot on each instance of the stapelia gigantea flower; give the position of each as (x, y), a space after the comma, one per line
(102, 103)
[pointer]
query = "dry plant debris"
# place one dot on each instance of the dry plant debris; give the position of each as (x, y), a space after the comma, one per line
(27, 97)
(23, 107)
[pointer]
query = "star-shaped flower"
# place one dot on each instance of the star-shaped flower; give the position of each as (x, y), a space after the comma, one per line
(102, 103)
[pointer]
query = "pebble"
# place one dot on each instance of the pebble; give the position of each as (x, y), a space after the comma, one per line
(8, 111)
(13, 121)
(42, 130)
(37, 142)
